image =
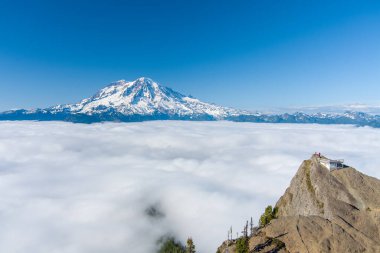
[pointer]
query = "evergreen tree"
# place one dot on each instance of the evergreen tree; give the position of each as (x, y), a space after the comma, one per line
(170, 245)
(245, 230)
(242, 245)
(190, 247)
(268, 215)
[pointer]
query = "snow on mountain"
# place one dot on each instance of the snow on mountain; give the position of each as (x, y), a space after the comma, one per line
(143, 97)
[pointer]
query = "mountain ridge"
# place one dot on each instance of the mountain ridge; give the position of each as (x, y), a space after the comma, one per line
(144, 99)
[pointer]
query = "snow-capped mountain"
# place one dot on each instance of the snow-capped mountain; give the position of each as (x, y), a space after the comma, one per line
(144, 99)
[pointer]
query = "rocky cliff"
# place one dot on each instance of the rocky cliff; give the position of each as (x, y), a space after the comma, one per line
(323, 211)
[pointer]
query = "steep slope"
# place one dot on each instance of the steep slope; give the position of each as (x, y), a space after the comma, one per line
(323, 211)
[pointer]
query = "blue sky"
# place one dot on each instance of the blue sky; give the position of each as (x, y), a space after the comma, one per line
(245, 54)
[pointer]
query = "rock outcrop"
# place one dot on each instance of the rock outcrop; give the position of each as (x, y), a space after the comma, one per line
(323, 211)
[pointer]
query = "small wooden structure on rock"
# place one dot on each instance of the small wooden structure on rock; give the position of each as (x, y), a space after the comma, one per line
(331, 164)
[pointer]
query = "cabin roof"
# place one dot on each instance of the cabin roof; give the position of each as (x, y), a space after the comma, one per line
(332, 161)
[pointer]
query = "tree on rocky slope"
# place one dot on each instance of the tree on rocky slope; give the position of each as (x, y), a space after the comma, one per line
(268, 215)
(242, 245)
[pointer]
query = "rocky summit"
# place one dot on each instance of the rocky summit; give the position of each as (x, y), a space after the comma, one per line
(324, 209)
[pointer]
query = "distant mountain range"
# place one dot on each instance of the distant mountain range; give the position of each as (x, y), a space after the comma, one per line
(330, 109)
(144, 99)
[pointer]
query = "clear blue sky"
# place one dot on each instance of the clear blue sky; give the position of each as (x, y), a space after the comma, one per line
(245, 54)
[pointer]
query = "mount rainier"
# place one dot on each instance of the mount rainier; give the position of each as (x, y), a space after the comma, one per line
(144, 99)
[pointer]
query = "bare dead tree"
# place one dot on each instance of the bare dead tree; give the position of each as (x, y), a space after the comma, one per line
(245, 230)
(251, 227)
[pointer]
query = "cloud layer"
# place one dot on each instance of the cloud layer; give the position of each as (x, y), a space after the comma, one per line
(76, 188)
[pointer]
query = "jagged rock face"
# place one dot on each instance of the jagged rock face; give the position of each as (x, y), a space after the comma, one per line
(323, 211)
(316, 234)
(316, 191)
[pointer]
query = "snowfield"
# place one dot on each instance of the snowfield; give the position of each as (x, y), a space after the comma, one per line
(77, 188)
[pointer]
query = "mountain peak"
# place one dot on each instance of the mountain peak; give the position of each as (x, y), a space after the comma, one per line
(146, 80)
(327, 208)
(143, 98)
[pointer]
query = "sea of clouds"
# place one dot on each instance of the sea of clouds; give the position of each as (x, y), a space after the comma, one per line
(119, 187)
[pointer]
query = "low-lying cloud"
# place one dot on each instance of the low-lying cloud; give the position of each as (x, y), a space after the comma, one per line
(119, 187)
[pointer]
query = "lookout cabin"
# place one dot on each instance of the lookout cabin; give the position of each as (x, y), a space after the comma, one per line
(332, 164)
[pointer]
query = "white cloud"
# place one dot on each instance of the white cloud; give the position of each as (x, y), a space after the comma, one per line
(85, 188)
